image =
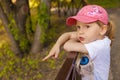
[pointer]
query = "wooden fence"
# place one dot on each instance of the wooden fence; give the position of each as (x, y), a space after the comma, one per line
(66, 70)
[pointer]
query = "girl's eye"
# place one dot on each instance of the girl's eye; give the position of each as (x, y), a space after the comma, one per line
(87, 26)
(78, 27)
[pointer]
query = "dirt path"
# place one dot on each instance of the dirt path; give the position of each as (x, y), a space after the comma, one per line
(115, 52)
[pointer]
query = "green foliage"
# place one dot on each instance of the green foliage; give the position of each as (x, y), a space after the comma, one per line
(28, 68)
(24, 43)
(14, 68)
(43, 18)
(19, 37)
(106, 3)
(1, 26)
(42, 15)
(34, 3)
(13, 29)
(58, 27)
(51, 64)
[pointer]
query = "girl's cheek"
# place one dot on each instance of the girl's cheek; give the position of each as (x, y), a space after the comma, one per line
(77, 37)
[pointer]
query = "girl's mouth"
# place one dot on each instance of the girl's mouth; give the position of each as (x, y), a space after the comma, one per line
(81, 38)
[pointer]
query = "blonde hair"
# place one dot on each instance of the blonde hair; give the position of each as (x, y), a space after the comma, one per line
(110, 30)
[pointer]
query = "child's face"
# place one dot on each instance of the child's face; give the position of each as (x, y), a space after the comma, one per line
(89, 32)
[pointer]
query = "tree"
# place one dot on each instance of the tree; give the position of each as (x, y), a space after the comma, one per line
(43, 18)
(14, 15)
(16, 10)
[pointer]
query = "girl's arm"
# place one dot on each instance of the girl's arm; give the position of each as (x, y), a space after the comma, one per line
(76, 46)
(54, 52)
(65, 37)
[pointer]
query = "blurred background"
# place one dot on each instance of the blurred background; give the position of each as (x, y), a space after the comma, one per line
(29, 28)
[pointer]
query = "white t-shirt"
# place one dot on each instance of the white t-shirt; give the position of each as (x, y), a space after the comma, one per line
(99, 52)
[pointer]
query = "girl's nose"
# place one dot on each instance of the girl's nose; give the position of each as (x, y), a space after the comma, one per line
(80, 31)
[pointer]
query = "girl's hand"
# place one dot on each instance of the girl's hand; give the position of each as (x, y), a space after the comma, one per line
(60, 42)
(54, 52)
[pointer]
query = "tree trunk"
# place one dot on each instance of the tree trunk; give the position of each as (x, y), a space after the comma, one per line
(37, 45)
(17, 12)
(14, 45)
(36, 42)
(21, 14)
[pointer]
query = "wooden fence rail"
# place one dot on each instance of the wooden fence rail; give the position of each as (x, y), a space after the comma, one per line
(65, 72)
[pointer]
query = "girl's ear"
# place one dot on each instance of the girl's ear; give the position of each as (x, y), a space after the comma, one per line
(103, 30)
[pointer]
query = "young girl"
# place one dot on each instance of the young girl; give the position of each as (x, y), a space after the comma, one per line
(93, 38)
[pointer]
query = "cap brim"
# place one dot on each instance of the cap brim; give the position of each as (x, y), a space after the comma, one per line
(72, 20)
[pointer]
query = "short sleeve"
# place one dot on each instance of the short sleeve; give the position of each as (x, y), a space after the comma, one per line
(97, 47)
(92, 49)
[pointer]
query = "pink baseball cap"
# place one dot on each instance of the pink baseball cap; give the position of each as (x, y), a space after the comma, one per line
(88, 14)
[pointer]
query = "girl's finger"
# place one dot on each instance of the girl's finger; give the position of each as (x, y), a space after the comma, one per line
(46, 57)
(56, 55)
